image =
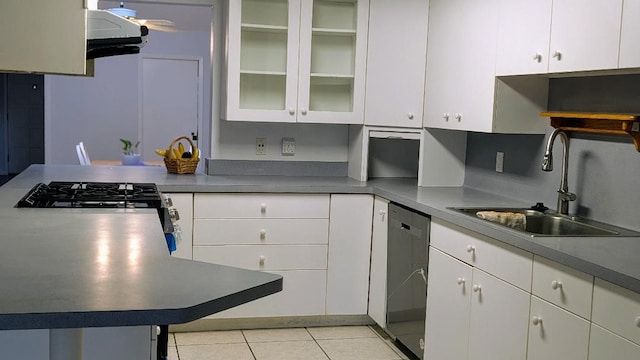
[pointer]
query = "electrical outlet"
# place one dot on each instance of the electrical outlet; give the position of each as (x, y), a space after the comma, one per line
(500, 161)
(261, 146)
(288, 146)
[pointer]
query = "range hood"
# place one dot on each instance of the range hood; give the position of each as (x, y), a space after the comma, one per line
(109, 34)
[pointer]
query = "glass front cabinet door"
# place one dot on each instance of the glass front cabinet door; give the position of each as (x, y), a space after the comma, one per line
(296, 60)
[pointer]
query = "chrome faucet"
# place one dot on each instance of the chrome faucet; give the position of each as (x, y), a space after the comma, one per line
(564, 196)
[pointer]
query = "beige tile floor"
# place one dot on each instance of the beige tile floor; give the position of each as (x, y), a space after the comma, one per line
(316, 343)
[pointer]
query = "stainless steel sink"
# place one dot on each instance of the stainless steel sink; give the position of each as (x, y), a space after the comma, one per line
(549, 223)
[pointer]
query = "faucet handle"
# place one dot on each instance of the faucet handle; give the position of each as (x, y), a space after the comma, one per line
(565, 195)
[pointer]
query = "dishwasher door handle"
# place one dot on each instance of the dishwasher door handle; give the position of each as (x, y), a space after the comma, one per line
(404, 226)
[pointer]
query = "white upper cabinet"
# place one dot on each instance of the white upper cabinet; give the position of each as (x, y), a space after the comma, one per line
(296, 60)
(396, 62)
(43, 36)
(585, 35)
(523, 37)
(630, 35)
(462, 91)
(461, 64)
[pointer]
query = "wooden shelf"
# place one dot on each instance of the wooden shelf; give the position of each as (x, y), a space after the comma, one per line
(597, 123)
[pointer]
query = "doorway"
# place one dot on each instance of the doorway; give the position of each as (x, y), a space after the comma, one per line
(21, 122)
(171, 102)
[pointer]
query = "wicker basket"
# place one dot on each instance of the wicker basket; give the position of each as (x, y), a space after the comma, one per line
(181, 166)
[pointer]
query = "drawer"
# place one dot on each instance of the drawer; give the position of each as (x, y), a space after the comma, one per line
(248, 206)
(260, 231)
(616, 309)
(504, 261)
(605, 345)
(265, 257)
(303, 293)
(565, 287)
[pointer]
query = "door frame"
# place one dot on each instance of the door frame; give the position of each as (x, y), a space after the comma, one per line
(199, 122)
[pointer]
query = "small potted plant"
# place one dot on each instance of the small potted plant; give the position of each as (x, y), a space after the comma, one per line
(130, 155)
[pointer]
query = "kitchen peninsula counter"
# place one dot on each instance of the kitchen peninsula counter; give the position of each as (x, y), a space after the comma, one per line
(610, 258)
(76, 268)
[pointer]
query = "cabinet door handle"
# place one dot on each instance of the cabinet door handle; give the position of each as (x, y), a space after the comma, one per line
(537, 57)
(536, 320)
(461, 281)
(261, 260)
(410, 116)
(292, 111)
(458, 117)
(445, 116)
(555, 285)
(471, 248)
(303, 111)
(558, 55)
(476, 288)
(263, 234)
(263, 208)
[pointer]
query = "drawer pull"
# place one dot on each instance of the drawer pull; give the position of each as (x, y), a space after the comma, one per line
(461, 281)
(536, 320)
(477, 288)
(555, 285)
(263, 208)
(638, 321)
(471, 248)
(263, 234)
(262, 258)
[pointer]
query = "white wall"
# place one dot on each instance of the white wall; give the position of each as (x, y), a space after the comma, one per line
(100, 110)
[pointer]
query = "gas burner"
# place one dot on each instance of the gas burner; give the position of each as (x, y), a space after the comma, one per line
(59, 194)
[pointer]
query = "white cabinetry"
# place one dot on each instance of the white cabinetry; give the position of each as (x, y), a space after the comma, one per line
(462, 92)
(476, 284)
(605, 345)
(524, 29)
(617, 310)
(396, 62)
(43, 36)
(296, 60)
(587, 39)
(555, 333)
(183, 202)
(630, 35)
(349, 253)
(285, 234)
(378, 276)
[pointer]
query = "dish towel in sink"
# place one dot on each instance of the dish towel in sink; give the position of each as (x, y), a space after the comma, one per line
(510, 219)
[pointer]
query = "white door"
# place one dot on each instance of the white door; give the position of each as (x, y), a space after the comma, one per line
(171, 102)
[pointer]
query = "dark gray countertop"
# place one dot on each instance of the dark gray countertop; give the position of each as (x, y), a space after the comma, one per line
(66, 268)
(612, 259)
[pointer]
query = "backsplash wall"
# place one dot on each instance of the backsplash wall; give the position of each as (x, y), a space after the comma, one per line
(603, 170)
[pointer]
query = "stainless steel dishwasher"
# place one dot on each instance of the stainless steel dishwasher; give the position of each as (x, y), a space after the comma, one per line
(407, 260)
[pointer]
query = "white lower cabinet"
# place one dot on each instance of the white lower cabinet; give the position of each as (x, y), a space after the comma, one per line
(498, 325)
(319, 243)
(303, 293)
(448, 307)
(285, 234)
(472, 314)
(479, 305)
(349, 254)
(555, 333)
(378, 275)
(605, 345)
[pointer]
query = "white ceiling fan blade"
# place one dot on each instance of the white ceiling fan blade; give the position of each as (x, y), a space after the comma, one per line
(153, 26)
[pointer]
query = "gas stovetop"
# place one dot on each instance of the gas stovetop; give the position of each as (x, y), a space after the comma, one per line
(60, 194)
